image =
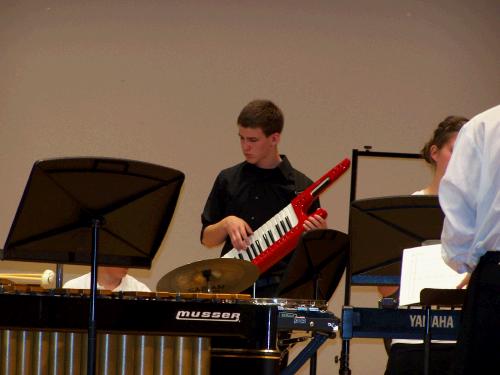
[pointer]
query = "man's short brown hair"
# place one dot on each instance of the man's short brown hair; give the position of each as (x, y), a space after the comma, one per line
(262, 114)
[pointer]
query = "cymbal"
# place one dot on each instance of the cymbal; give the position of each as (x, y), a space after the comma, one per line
(220, 275)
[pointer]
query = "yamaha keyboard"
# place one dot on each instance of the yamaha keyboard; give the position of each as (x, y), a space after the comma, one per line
(398, 323)
(277, 237)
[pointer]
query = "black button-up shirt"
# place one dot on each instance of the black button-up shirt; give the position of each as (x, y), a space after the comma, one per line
(255, 195)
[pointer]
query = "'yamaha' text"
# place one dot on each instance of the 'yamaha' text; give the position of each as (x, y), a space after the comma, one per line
(418, 321)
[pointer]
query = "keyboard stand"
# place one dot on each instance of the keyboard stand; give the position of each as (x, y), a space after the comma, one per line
(442, 298)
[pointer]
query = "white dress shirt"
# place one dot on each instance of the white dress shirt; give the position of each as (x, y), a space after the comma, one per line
(469, 193)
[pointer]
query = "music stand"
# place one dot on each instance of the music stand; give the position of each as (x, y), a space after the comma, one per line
(316, 266)
(315, 269)
(381, 228)
(93, 210)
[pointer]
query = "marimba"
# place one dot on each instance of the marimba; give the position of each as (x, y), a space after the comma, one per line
(148, 333)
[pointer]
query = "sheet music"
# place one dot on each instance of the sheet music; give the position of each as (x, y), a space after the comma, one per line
(423, 267)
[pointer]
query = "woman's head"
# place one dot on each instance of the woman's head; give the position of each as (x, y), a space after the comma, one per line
(437, 151)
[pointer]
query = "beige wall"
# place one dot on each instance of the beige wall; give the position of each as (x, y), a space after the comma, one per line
(163, 81)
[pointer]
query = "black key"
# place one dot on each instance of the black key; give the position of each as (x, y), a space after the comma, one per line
(249, 253)
(278, 229)
(283, 226)
(288, 222)
(271, 236)
(266, 240)
(254, 251)
(258, 246)
(240, 255)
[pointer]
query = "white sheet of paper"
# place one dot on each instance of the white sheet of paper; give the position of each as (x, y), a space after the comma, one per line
(423, 267)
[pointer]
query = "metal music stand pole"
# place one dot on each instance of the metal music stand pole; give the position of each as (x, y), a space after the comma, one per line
(344, 351)
(314, 358)
(59, 275)
(92, 332)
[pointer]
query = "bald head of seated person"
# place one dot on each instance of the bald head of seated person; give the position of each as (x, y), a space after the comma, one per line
(115, 279)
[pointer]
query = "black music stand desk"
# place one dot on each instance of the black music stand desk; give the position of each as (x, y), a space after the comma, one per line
(92, 210)
(381, 228)
(313, 273)
(316, 266)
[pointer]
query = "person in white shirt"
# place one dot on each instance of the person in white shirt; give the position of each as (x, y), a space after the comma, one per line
(406, 356)
(469, 195)
(115, 279)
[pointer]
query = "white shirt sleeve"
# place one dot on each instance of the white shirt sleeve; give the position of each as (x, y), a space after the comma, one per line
(81, 282)
(457, 198)
(469, 193)
(128, 284)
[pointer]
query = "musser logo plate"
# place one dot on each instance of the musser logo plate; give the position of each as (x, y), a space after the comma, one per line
(209, 316)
